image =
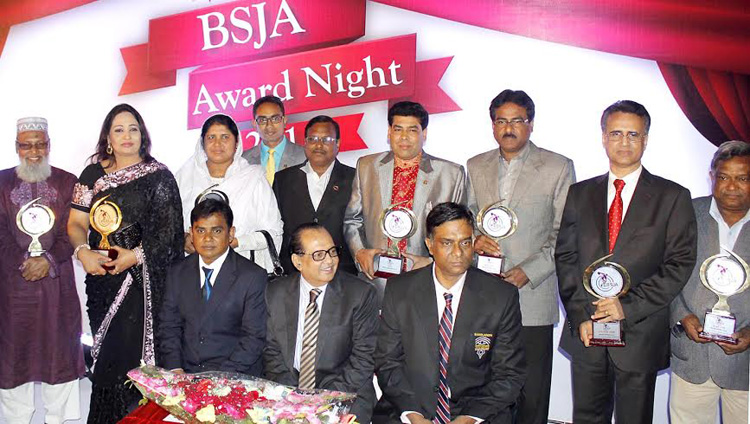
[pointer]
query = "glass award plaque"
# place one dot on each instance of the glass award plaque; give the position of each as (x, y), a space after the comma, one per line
(397, 223)
(605, 279)
(105, 218)
(496, 222)
(725, 274)
(35, 219)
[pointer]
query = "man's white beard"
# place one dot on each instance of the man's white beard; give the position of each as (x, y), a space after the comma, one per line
(34, 172)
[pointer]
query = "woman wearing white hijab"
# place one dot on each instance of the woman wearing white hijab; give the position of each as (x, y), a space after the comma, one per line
(218, 162)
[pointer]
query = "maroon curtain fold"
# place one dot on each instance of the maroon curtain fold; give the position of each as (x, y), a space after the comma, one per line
(716, 103)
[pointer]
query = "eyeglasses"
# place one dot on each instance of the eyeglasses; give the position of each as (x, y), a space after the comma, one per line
(28, 146)
(264, 120)
(617, 136)
(324, 140)
(320, 255)
(515, 122)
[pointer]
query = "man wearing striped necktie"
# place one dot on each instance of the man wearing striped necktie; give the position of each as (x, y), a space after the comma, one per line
(449, 348)
(322, 323)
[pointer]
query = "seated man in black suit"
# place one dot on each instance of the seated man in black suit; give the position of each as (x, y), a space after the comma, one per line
(317, 190)
(449, 346)
(214, 313)
(322, 323)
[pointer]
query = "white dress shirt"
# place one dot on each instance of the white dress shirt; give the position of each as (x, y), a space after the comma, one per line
(456, 290)
(304, 300)
(727, 235)
(631, 180)
(215, 265)
(316, 184)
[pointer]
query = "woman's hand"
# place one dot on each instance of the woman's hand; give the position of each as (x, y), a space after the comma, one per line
(92, 261)
(125, 259)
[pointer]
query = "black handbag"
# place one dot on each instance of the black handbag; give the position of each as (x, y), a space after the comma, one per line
(278, 270)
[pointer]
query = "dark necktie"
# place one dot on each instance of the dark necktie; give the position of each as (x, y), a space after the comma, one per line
(207, 283)
(309, 342)
(443, 415)
(615, 215)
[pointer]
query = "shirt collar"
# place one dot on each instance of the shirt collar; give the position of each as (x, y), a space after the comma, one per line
(216, 264)
(306, 287)
(279, 147)
(521, 156)
(716, 214)
(307, 169)
(630, 180)
(455, 290)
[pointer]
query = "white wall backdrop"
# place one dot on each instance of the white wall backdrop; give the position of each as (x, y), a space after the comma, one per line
(68, 68)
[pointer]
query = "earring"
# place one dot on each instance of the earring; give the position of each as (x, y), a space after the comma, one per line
(109, 149)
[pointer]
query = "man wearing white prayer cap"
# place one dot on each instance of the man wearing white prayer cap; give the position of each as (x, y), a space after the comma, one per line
(40, 313)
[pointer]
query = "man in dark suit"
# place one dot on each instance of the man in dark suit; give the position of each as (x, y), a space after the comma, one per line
(322, 323)
(650, 230)
(317, 190)
(214, 313)
(431, 366)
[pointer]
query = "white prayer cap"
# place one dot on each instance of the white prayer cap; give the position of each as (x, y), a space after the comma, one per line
(33, 123)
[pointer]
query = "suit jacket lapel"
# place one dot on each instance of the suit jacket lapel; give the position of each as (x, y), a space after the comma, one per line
(424, 186)
(291, 306)
(334, 185)
(428, 317)
(640, 207)
(331, 304)
(301, 191)
(192, 276)
(490, 180)
(527, 175)
(223, 285)
(598, 204)
(462, 323)
(384, 168)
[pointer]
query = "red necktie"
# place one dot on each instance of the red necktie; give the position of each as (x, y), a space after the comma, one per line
(615, 215)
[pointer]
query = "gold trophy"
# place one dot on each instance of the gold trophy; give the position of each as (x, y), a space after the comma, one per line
(105, 217)
(725, 274)
(605, 280)
(35, 220)
(397, 223)
(496, 222)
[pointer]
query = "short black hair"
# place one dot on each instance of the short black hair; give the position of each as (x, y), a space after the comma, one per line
(295, 241)
(268, 99)
(626, 106)
(323, 119)
(518, 97)
(448, 211)
(209, 207)
(728, 150)
(220, 119)
(409, 109)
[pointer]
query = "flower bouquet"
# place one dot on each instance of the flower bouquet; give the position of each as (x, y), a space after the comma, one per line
(220, 397)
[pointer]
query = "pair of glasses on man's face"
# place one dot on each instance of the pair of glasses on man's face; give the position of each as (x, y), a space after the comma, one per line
(264, 120)
(28, 146)
(319, 255)
(319, 140)
(515, 122)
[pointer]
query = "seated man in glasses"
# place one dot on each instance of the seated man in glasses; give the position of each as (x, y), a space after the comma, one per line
(275, 152)
(322, 324)
(317, 190)
(214, 313)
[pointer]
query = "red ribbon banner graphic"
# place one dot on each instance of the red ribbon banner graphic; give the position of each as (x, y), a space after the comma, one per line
(238, 31)
(348, 125)
(321, 79)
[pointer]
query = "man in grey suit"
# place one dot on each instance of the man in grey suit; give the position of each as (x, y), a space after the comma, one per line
(533, 182)
(405, 175)
(704, 371)
(269, 120)
(322, 323)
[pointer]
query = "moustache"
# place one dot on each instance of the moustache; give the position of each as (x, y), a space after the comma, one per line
(510, 136)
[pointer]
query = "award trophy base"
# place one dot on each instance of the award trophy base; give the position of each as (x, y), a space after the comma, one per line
(110, 253)
(719, 326)
(389, 266)
(607, 334)
(491, 264)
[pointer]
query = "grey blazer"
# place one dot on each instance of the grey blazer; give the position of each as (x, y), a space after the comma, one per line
(538, 200)
(294, 154)
(695, 362)
(438, 181)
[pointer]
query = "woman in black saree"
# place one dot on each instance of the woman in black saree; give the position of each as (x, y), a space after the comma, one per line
(124, 294)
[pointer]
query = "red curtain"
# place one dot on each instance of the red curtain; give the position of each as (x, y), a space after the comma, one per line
(702, 46)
